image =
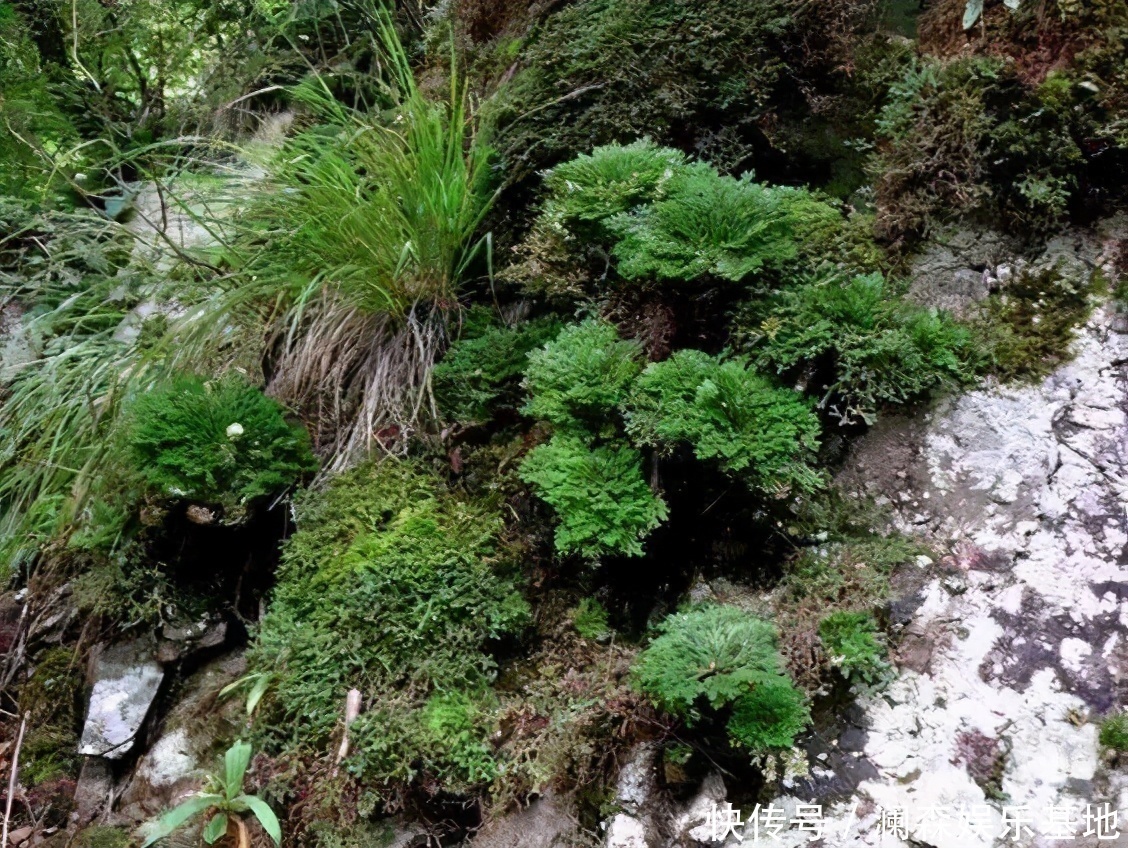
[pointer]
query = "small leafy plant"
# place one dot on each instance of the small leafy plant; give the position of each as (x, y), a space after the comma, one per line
(851, 640)
(707, 224)
(722, 658)
(592, 188)
(224, 797)
(1114, 732)
(599, 493)
(730, 414)
(579, 379)
(859, 346)
(216, 441)
(481, 372)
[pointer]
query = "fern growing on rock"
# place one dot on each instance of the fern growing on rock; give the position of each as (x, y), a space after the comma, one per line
(600, 496)
(729, 414)
(218, 441)
(717, 658)
(859, 346)
(578, 380)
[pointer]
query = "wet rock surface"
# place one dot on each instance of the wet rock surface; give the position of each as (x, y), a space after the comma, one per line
(1018, 644)
(126, 681)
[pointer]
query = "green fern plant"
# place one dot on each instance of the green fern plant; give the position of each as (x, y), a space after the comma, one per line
(851, 640)
(859, 346)
(729, 414)
(223, 795)
(216, 441)
(481, 372)
(615, 178)
(601, 499)
(706, 224)
(578, 380)
(720, 658)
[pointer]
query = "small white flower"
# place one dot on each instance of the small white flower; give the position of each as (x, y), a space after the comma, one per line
(235, 430)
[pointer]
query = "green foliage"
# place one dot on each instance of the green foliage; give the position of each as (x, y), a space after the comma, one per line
(593, 188)
(720, 657)
(224, 796)
(579, 379)
(385, 210)
(481, 372)
(32, 117)
(219, 441)
(103, 836)
(675, 68)
(1027, 328)
(53, 700)
(858, 345)
(707, 224)
(770, 716)
(590, 619)
(729, 413)
(599, 494)
(969, 138)
(1114, 732)
(395, 586)
(664, 218)
(454, 720)
(851, 639)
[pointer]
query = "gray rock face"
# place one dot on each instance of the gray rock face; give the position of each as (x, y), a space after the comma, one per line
(126, 680)
(958, 270)
(546, 823)
(1022, 635)
(636, 791)
(185, 749)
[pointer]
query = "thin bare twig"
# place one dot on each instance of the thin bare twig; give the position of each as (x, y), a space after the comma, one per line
(12, 782)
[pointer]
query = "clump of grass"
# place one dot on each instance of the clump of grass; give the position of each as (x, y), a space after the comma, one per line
(1114, 732)
(369, 224)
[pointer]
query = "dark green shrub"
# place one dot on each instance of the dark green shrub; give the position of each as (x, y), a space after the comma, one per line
(718, 657)
(851, 640)
(395, 586)
(675, 67)
(730, 414)
(579, 379)
(481, 372)
(600, 496)
(969, 139)
(1114, 732)
(707, 225)
(858, 345)
(216, 441)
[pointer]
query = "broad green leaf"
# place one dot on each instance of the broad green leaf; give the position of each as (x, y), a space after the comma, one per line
(235, 766)
(972, 13)
(165, 824)
(265, 815)
(257, 691)
(215, 828)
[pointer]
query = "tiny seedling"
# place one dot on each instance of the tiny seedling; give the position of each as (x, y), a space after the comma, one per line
(223, 799)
